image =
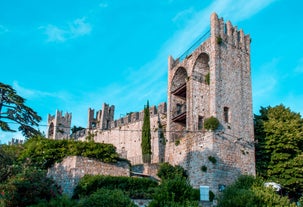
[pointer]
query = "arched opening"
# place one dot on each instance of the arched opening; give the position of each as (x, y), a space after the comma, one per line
(201, 69)
(178, 91)
(51, 130)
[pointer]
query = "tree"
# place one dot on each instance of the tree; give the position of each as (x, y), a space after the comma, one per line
(146, 136)
(13, 109)
(279, 148)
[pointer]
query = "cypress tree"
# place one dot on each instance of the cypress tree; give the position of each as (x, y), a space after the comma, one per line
(146, 136)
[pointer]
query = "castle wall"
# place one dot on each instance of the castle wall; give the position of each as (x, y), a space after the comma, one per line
(125, 134)
(68, 173)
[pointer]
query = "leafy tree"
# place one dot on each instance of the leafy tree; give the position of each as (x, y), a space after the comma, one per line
(13, 109)
(248, 191)
(146, 136)
(279, 149)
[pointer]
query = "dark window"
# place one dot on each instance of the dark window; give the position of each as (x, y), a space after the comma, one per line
(200, 123)
(226, 114)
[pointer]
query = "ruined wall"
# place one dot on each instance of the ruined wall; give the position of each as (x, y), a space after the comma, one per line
(68, 172)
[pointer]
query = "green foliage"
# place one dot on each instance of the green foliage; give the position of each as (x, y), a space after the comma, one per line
(167, 171)
(140, 188)
(207, 78)
(219, 40)
(203, 168)
(44, 152)
(177, 142)
(13, 108)
(146, 136)
(248, 191)
(174, 192)
(61, 201)
(28, 188)
(8, 161)
(211, 123)
(212, 159)
(105, 198)
(75, 129)
(279, 148)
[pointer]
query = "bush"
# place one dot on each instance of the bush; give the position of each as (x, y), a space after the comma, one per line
(28, 188)
(44, 152)
(167, 171)
(62, 201)
(211, 123)
(105, 198)
(175, 192)
(140, 188)
(248, 191)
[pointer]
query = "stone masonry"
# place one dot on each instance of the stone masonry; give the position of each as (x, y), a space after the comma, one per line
(213, 80)
(68, 173)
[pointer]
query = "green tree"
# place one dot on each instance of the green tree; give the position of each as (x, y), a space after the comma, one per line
(13, 109)
(146, 136)
(248, 191)
(279, 148)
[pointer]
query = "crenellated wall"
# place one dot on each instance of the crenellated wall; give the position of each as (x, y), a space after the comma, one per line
(125, 134)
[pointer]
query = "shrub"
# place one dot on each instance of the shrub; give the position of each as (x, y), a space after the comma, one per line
(28, 188)
(174, 192)
(105, 198)
(62, 201)
(211, 123)
(132, 187)
(203, 168)
(212, 159)
(207, 78)
(167, 171)
(248, 191)
(44, 152)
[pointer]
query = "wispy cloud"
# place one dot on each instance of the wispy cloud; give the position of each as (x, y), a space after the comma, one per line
(3, 29)
(79, 27)
(299, 67)
(34, 94)
(103, 5)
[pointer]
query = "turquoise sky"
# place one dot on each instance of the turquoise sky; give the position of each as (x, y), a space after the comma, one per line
(71, 55)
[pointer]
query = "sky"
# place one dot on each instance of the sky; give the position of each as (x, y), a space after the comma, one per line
(72, 55)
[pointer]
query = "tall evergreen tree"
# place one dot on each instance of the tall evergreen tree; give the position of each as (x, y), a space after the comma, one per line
(14, 111)
(146, 136)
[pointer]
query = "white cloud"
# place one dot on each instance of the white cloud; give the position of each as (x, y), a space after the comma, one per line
(3, 29)
(55, 34)
(103, 5)
(299, 67)
(79, 27)
(32, 94)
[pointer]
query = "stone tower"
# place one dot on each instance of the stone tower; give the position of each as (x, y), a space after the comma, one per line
(59, 126)
(103, 117)
(214, 80)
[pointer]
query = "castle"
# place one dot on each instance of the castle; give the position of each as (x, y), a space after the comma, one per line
(213, 81)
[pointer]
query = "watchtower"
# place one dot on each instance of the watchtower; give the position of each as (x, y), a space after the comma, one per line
(214, 80)
(59, 126)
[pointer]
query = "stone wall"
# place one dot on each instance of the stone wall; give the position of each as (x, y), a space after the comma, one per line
(68, 172)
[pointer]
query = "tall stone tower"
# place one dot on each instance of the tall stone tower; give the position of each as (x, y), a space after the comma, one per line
(214, 80)
(59, 126)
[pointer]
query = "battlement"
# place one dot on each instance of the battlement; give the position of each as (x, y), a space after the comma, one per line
(225, 32)
(138, 116)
